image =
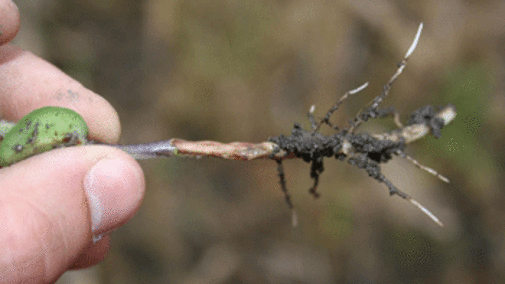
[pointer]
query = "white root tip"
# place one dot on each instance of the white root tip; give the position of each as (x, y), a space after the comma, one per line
(294, 219)
(443, 178)
(414, 43)
(427, 212)
(358, 89)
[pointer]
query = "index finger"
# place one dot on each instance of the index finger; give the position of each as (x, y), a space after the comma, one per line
(28, 82)
(9, 21)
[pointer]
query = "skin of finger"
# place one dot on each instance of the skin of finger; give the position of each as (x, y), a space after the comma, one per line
(9, 21)
(93, 254)
(28, 82)
(46, 221)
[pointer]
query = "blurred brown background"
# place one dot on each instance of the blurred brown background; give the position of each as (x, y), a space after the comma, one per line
(247, 70)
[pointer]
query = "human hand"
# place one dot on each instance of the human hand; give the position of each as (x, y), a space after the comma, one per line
(53, 203)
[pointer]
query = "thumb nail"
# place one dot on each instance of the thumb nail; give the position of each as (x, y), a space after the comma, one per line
(114, 189)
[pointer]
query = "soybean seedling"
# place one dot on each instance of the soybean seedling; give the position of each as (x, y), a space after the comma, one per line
(53, 127)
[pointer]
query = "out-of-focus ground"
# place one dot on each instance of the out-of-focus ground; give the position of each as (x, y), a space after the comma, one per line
(247, 70)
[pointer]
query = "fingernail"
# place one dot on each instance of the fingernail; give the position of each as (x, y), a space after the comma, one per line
(114, 191)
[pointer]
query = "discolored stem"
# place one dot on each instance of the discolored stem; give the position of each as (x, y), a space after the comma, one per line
(239, 151)
(149, 150)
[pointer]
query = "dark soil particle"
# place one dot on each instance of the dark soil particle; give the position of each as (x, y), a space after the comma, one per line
(426, 115)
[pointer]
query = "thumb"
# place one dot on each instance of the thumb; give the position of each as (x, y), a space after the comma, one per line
(52, 204)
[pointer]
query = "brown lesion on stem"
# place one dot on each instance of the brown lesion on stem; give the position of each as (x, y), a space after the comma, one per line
(239, 151)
